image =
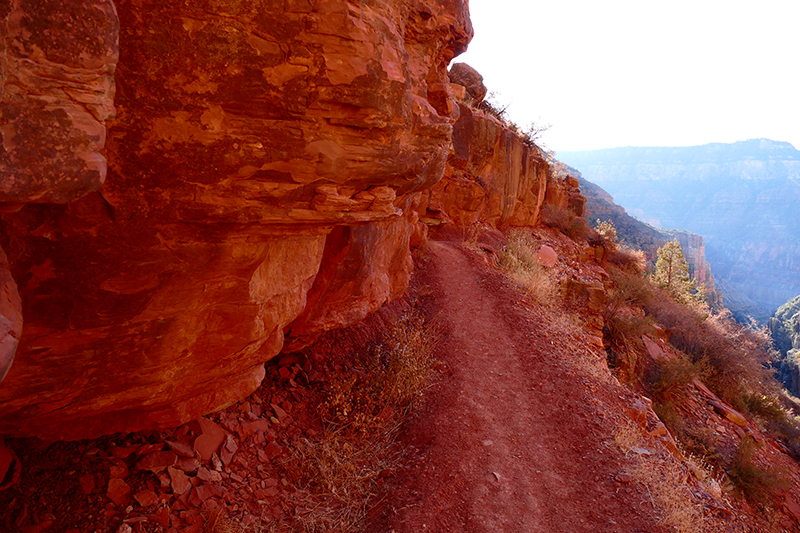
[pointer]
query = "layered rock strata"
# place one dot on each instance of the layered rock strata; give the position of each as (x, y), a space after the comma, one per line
(263, 176)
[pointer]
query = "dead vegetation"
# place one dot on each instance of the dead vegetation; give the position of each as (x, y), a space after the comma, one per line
(518, 261)
(666, 481)
(735, 361)
(337, 472)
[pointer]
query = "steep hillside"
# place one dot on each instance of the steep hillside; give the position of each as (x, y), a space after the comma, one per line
(741, 197)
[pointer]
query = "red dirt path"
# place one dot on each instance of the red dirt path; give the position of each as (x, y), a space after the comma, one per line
(511, 439)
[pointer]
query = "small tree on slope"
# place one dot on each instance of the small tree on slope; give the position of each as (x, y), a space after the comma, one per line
(672, 273)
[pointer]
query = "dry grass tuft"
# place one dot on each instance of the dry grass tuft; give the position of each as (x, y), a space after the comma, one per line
(338, 472)
(665, 481)
(518, 261)
(751, 480)
(337, 476)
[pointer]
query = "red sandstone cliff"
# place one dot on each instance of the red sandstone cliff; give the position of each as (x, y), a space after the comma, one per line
(266, 172)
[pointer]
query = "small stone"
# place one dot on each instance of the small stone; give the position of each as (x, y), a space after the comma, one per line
(146, 449)
(641, 451)
(157, 461)
(118, 469)
(228, 450)
(209, 475)
(87, 483)
(209, 442)
(122, 452)
(186, 464)
(124, 528)
(546, 256)
(273, 450)
(250, 428)
(180, 448)
(279, 412)
(146, 498)
(624, 477)
(180, 481)
(118, 491)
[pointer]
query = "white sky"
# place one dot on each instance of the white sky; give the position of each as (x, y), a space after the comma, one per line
(608, 73)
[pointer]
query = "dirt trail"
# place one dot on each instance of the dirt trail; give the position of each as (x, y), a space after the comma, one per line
(511, 439)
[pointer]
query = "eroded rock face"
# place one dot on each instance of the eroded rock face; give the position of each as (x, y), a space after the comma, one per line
(57, 63)
(263, 169)
(493, 176)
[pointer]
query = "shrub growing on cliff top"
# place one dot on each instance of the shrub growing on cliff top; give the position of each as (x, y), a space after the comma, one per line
(576, 228)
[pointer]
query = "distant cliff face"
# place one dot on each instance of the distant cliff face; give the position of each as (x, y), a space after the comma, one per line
(741, 197)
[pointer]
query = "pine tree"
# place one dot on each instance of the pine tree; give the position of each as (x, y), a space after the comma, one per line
(672, 273)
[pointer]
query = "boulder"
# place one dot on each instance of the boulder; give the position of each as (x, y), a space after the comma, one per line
(470, 79)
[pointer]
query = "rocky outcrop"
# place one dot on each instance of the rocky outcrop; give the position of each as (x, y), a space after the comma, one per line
(496, 176)
(493, 176)
(263, 176)
(466, 76)
(740, 197)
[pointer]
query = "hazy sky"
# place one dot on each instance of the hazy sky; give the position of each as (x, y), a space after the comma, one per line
(643, 73)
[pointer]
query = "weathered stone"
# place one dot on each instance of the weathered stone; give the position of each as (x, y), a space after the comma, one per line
(10, 466)
(146, 498)
(10, 317)
(87, 483)
(546, 256)
(243, 137)
(729, 413)
(118, 469)
(179, 481)
(157, 461)
(470, 79)
(118, 491)
(656, 351)
(207, 444)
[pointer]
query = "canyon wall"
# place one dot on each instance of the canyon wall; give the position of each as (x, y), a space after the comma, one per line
(262, 180)
(741, 197)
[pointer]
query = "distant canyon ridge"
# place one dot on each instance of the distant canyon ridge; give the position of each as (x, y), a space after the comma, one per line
(741, 197)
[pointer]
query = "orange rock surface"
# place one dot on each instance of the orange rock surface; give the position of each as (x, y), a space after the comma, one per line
(254, 149)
